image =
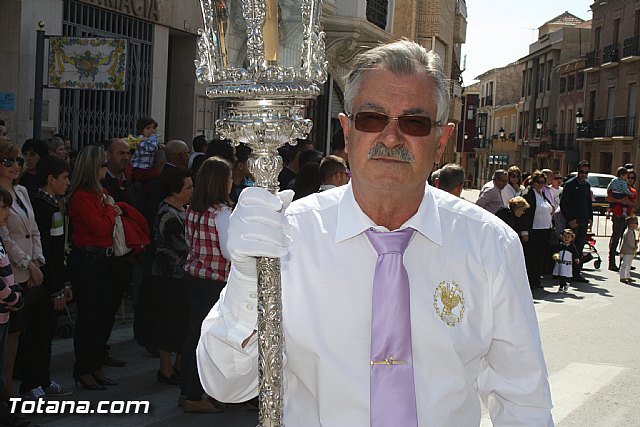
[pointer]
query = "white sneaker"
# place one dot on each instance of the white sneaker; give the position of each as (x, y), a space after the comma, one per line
(56, 390)
(34, 394)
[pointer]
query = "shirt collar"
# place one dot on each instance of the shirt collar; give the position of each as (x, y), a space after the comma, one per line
(353, 221)
(122, 177)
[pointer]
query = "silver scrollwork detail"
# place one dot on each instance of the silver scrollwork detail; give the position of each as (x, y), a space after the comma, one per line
(235, 82)
(270, 343)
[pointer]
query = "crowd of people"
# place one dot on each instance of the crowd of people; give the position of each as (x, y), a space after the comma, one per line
(62, 245)
(552, 219)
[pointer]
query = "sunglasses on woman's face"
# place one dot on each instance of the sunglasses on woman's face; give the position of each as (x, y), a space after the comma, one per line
(514, 175)
(7, 163)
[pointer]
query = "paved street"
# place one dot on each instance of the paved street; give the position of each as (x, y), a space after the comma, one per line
(590, 336)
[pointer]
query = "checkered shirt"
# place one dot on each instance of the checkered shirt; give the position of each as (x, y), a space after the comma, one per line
(205, 260)
(145, 152)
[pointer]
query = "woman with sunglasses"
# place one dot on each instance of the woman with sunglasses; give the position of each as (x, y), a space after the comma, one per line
(514, 185)
(22, 242)
(535, 227)
(93, 213)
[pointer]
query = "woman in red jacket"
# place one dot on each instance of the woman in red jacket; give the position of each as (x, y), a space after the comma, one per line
(92, 212)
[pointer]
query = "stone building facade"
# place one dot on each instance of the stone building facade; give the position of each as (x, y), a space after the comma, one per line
(162, 37)
(609, 134)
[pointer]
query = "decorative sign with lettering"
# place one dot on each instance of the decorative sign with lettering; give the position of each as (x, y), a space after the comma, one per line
(143, 9)
(87, 63)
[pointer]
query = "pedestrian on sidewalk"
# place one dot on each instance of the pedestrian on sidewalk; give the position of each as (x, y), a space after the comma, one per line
(565, 256)
(628, 249)
(11, 300)
(622, 209)
(577, 209)
(52, 297)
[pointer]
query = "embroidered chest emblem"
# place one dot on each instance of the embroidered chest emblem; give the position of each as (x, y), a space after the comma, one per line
(448, 301)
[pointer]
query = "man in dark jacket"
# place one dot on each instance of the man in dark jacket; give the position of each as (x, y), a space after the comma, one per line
(576, 207)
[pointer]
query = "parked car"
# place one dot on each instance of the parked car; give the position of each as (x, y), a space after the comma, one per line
(599, 183)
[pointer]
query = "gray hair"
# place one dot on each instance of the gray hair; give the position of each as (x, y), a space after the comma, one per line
(499, 173)
(54, 143)
(450, 176)
(402, 58)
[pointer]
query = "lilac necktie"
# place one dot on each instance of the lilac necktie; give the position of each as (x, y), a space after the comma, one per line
(393, 395)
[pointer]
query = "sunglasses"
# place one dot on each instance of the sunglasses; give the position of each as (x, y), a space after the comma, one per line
(540, 182)
(370, 121)
(514, 175)
(7, 163)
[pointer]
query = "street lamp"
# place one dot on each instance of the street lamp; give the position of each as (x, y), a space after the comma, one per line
(539, 125)
(501, 133)
(261, 59)
(579, 118)
(480, 135)
(466, 136)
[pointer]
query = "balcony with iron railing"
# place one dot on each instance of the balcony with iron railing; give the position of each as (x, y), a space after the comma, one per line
(482, 143)
(608, 128)
(486, 101)
(563, 142)
(592, 60)
(610, 55)
(631, 47)
(377, 11)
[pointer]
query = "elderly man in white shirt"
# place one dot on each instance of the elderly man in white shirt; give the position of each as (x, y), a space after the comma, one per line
(490, 197)
(466, 323)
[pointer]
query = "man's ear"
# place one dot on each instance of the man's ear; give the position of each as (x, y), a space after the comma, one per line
(50, 179)
(446, 131)
(344, 122)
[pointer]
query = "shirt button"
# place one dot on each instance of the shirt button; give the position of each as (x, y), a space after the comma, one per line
(28, 236)
(249, 307)
(253, 295)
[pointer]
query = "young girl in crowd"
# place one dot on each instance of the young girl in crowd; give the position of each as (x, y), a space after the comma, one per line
(142, 159)
(565, 256)
(628, 249)
(207, 267)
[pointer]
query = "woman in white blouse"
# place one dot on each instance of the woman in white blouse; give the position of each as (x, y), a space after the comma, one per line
(513, 187)
(535, 227)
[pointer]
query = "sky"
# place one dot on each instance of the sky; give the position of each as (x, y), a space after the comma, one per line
(499, 32)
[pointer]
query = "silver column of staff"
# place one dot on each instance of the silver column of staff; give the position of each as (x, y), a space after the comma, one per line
(262, 59)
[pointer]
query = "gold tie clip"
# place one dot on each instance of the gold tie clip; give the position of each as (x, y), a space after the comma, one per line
(389, 361)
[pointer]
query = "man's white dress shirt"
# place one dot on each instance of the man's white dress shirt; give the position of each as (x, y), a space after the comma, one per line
(490, 347)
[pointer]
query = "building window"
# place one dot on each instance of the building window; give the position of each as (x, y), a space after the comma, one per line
(377, 12)
(563, 84)
(549, 70)
(571, 83)
(580, 81)
(541, 77)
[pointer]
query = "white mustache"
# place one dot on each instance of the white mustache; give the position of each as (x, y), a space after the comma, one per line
(398, 153)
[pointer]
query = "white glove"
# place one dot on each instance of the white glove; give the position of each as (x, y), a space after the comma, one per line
(258, 228)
